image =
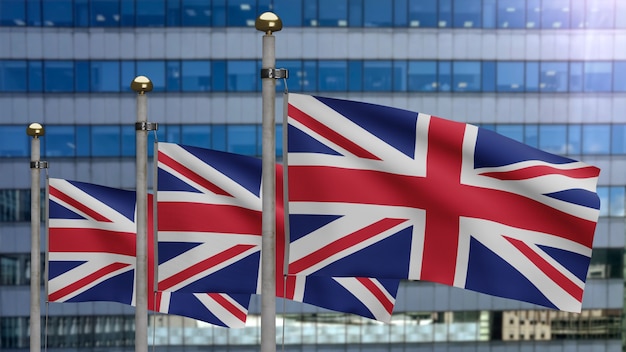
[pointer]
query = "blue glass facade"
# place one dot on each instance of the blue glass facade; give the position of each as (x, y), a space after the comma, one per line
(551, 74)
(64, 76)
(468, 14)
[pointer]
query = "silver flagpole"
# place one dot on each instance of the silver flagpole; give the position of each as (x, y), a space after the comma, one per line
(268, 23)
(35, 130)
(141, 85)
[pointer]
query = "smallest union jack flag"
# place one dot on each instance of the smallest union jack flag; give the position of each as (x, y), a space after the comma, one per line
(91, 256)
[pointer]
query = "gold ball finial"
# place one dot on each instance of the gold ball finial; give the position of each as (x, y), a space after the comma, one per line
(35, 129)
(268, 22)
(141, 84)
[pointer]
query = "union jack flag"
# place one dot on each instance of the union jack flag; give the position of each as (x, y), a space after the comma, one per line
(91, 255)
(381, 192)
(210, 202)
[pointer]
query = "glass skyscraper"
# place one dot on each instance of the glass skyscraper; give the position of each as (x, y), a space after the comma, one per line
(549, 73)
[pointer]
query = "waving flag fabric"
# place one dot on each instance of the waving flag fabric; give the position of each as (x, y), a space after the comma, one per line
(210, 234)
(381, 192)
(91, 255)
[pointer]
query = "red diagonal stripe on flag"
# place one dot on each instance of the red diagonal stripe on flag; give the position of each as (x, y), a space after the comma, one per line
(74, 240)
(377, 292)
(330, 134)
(78, 205)
(193, 176)
(543, 170)
(203, 265)
(86, 280)
(229, 306)
(192, 217)
(566, 284)
(342, 244)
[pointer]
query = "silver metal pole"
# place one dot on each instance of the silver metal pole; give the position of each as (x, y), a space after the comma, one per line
(268, 23)
(141, 85)
(35, 130)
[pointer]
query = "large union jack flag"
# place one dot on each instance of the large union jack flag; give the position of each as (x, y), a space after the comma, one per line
(210, 226)
(381, 192)
(91, 255)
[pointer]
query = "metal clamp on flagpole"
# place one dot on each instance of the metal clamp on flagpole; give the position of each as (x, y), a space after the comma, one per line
(39, 164)
(276, 73)
(146, 126)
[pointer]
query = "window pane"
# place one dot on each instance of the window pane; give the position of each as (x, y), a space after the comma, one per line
(309, 75)
(445, 13)
(423, 13)
(155, 70)
(596, 139)
(466, 76)
(488, 76)
(489, 13)
(105, 13)
(377, 13)
(242, 139)
(173, 14)
(13, 141)
(619, 76)
(333, 75)
(620, 14)
(617, 201)
(241, 13)
(33, 12)
(618, 139)
(531, 135)
(173, 78)
(553, 77)
(532, 76)
(333, 13)
(422, 76)
(196, 13)
(81, 78)
(35, 76)
(598, 77)
(105, 76)
(218, 137)
(355, 16)
(515, 132)
(467, 13)
(150, 13)
(511, 14)
(105, 141)
(600, 13)
(576, 76)
(57, 13)
(533, 13)
(241, 76)
(399, 76)
(445, 76)
(129, 142)
(13, 76)
(377, 76)
(510, 76)
(400, 15)
(196, 76)
(289, 11)
(83, 140)
(553, 138)
(574, 145)
(12, 13)
(555, 14)
(59, 141)
(59, 76)
(196, 135)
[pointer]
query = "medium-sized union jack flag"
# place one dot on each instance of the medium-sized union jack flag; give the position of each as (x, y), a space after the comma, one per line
(91, 255)
(210, 226)
(381, 192)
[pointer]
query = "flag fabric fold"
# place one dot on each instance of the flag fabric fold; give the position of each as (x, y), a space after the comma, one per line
(91, 256)
(218, 195)
(436, 200)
